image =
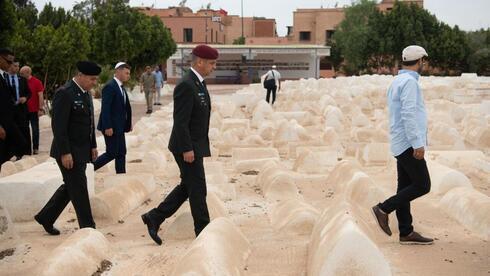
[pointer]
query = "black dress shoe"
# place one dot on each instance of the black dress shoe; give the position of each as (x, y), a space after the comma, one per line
(382, 219)
(416, 238)
(48, 227)
(152, 228)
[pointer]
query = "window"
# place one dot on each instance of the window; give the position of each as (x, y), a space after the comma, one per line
(187, 35)
(305, 36)
(329, 35)
(212, 35)
(325, 64)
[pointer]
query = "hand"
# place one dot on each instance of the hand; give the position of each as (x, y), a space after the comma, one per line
(189, 156)
(22, 100)
(108, 132)
(95, 154)
(3, 134)
(419, 153)
(40, 113)
(67, 161)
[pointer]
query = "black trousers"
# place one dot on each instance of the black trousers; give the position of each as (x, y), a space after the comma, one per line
(73, 189)
(22, 121)
(15, 143)
(273, 90)
(34, 120)
(192, 187)
(413, 182)
(115, 149)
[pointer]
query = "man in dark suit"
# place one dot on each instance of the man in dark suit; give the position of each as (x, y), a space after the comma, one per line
(11, 139)
(189, 143)
(115, 119)
(21, 94)
(73, 147)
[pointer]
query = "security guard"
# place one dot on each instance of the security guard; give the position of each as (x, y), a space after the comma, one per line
(73, 147)
(189, 143)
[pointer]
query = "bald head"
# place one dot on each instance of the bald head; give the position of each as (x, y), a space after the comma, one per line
(26, 72)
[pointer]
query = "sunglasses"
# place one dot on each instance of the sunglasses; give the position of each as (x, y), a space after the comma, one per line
(7, 60)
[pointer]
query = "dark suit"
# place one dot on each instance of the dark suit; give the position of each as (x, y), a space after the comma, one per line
(73, 132)
(21, 116)
(15, 143)
(192, 109)
(115, 114)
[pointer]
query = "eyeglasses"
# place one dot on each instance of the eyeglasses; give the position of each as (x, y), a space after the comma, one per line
(7, 60)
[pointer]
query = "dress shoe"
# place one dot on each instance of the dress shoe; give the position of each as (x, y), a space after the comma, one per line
(416, 238)
(152, 228)
(382, 219)
(48, 227)
(35, 152)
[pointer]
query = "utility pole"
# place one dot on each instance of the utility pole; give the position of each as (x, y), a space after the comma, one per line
(242, 21)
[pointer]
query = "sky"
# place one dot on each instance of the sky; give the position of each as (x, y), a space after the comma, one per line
(469, 15)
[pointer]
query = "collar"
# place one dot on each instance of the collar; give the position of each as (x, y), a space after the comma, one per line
(78, 85)
(201, 79)
(118, 81)
(412, 73)
(1, 72)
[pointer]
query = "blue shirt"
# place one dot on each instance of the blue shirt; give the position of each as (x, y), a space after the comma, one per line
(408, 117)
(158, 79)
(15, 80)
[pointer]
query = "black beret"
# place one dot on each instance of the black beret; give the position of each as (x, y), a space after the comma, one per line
(205, 51)
(88, 68)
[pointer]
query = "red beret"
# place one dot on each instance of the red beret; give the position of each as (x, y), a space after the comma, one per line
(206, 52)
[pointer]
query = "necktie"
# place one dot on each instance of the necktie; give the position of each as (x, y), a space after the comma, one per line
(123, 91)
(14, 87)
(204, 84)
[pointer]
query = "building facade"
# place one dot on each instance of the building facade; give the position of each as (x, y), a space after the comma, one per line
(317, 26)
(247, 63)
(211, 26)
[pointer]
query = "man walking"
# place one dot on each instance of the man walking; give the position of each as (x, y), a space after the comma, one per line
(35, 105)
(158, 84)
(147, 84)
(408, 133)
(115, 119)
(189, 143)
(73, 147)
(272, 81)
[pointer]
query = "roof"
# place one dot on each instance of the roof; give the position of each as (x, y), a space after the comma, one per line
(233, 46)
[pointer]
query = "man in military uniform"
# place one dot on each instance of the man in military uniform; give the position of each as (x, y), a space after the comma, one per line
(189, 143)
(73, 147)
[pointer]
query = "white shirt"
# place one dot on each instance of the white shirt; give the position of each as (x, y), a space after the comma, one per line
(201, 79)
(79, 86)
(276, 75)
(1, 74)
(119, 83)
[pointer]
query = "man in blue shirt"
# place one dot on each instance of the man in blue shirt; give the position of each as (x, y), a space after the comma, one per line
(159, 82)
(408, 134)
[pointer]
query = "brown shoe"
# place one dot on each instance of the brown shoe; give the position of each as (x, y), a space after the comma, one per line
(416, 238)
(382, 219)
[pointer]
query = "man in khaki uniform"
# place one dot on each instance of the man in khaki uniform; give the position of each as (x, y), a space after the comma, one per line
(147, 83)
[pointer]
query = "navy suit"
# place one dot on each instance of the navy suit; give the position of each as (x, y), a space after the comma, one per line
(115, 114)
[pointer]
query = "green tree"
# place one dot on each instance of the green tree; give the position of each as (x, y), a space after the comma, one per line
(55, 17)
(239, 41)
(27, 11)
(123, 33)
(7, 22)
(353, 34)
(22, 42)
(479, 52)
